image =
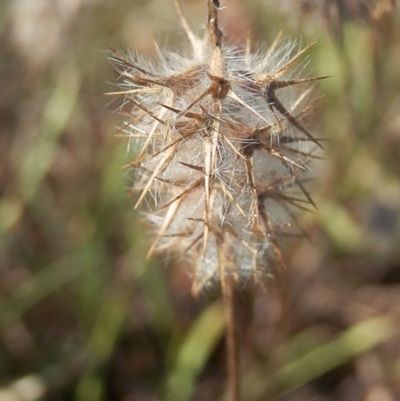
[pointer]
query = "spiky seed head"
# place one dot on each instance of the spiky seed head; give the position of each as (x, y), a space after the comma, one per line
(220, 151)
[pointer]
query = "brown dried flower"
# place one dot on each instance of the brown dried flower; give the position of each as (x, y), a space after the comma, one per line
(220, 151)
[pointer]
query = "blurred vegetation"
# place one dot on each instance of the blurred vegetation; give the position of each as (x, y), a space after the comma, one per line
(84, 316)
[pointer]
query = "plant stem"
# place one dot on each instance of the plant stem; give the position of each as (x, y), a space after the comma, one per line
(232, 354)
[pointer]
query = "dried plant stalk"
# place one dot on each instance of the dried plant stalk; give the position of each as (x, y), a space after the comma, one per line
(221, 149)
(221, 153)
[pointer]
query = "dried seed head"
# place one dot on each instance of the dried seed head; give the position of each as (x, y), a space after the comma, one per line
(220, 151)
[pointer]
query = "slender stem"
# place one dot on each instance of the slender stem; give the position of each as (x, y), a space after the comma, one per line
(219, 88)
(232, 354)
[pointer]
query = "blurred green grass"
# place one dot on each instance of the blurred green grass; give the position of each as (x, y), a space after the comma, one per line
(83, 314)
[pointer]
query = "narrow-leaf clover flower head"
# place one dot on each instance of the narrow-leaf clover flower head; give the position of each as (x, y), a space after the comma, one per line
(220, 151)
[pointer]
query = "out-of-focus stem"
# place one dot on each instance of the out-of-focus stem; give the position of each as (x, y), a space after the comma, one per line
(232, 350)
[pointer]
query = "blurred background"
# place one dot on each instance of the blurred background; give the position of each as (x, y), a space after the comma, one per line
(84, 316)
